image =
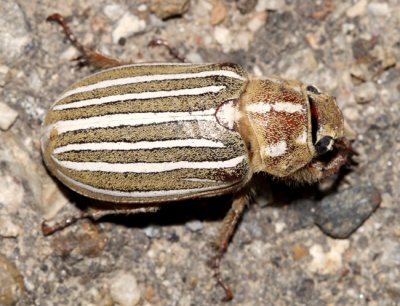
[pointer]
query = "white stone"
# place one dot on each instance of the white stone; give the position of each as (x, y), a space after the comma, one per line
(194, 57)
(379, 9)
(7, 227)
(3, 74)
(194, 225)
(257, 21)
(7, 116)
(11, 192)
(128, 25)
(223, 36)
(54, 197)
(114, 11)
(124, 289)
(152, 231)
(357, 9)
(279, 227)
(270, 5)
(331, 261)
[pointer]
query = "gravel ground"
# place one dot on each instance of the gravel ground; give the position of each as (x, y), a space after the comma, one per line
(279, 256)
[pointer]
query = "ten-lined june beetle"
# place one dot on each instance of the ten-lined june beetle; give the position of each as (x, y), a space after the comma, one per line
(150, 133)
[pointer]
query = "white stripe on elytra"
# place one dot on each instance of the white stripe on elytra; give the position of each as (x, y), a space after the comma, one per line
(146, 194)
(151, 78)
(264, 107)
(147, 167)
(141, 96)
(130, 119)
(200, 180)
(140, 145)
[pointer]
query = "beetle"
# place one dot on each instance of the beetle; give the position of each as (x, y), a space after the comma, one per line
(144, 134)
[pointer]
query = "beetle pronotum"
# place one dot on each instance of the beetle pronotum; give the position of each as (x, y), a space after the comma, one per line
(144, 134)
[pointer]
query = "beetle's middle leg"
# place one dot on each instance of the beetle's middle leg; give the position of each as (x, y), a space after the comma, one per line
(228, 228)
(88, 56)
(49, 228)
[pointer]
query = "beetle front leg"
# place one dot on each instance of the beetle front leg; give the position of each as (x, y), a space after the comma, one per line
(88, 57)
(229, 225)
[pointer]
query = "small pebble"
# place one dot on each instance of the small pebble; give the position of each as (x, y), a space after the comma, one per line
(328, 262)
(246, 6)
(169, 8)
(194, 57)
(257, 21)
(351, 113)
(114, 11)
(365, 92)
(305, 290)
(218, 12)
(8, 229)
(124, 289)
(3, 74)
(152, 231)
(379, 9)
(357, 9)
(127, 26)
(11, 189)
(270, 5)
(54, 197)
(12, 283)
(340, 214)
(7, 116)
(279, 227)
(299, 252)
(390, 253)
(223, 36)
(194, 225)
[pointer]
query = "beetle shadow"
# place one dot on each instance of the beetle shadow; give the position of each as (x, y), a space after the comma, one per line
(285, 192)
(168, 214)
(203, 209)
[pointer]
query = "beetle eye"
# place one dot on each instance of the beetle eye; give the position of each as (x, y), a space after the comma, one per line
(313, 89)
(324, 145)
(314, 119)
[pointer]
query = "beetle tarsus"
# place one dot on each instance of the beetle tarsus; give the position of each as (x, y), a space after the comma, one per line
(48, 229)
(172, 50)
(228, 228)
(218, 277)
(58, 18)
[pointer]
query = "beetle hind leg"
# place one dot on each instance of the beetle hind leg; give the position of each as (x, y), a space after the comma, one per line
(228, 228)
(88, 57)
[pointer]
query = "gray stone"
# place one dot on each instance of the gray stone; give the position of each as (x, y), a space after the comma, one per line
(342, 213)
(14, 34)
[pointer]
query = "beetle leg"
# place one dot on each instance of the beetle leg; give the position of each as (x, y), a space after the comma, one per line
(172, 50)
(88, 57)
(229, 225)
(93, 214)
